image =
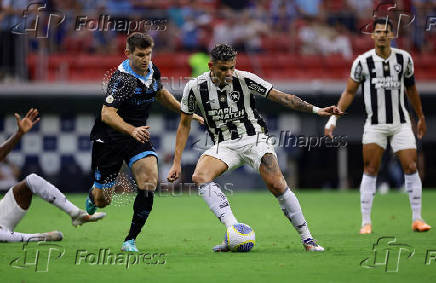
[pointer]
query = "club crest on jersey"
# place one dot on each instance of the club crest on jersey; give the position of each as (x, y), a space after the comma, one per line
(397, 68)
(222, 98)
(235, 95)
(109, 99)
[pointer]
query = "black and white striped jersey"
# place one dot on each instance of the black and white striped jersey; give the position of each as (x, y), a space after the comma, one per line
(383, 83)
(230, 112)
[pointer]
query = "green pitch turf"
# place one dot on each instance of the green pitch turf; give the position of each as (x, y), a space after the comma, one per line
(182, 231)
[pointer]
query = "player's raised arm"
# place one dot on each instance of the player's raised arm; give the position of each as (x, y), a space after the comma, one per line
(24, 125)
(168, 100)
(181, 138)
(345, 101)
(296, 103)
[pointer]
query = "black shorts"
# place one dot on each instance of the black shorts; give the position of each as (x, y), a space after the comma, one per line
(107, 159)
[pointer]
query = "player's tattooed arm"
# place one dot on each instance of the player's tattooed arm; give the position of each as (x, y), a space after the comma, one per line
(296, 103)
(290, 100)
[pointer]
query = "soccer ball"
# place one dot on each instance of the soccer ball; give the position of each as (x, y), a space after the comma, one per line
(240, 237)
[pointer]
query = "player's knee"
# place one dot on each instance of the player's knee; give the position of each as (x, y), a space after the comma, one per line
(410, 168)
(277, 187)
(370, 169)
(200, 178)
(148, 183)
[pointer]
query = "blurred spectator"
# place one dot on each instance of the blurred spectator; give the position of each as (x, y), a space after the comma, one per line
(283, 14)
(309, 7)
(199, 62)
(318, 38)
(9, 174)
(247, 33)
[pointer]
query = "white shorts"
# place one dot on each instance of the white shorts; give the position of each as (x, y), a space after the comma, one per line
(246, 150)
(10, 212)
(401, 136)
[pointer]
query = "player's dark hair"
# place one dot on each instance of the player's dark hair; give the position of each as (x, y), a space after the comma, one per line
(382, 21)
(222, 52)
(139, 40)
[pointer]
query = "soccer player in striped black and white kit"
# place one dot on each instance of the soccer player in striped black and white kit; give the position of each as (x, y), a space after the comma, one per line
(225, 98)
(386, 75)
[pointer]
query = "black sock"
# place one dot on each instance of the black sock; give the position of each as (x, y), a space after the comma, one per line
(141, 209)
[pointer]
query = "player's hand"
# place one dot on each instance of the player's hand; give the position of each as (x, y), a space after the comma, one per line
(25, 124)
(198, 118)
(174, 173)
(422, 127)
(328, 131)
(141, 134)
(331, 110)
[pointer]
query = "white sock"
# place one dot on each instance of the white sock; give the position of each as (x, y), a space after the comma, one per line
(50, 193)
(414, 188)
(8, 236)
(367, 193)
(218, 203)
(292, 210)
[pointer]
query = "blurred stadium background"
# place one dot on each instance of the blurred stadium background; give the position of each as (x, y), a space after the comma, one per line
(304, 47)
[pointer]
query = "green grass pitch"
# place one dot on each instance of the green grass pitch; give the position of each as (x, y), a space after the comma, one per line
(183, 230)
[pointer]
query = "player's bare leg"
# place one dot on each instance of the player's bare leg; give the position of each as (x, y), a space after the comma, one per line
(145, 172)
(372, 155)
(207, 169)
(413, 185)
(272, 176)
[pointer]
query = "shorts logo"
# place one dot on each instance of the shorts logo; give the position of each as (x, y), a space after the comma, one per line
(397, 68)
(235, 95)
(109, 99)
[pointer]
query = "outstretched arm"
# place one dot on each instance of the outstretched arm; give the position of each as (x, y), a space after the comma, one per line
(415, 100)
(24, 125)
(296, 103)
(181, 138)
(168, 100)
(345, 101)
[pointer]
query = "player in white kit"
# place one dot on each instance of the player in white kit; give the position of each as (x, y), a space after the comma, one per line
(386, 75)
(225, 99)
(16, 202)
